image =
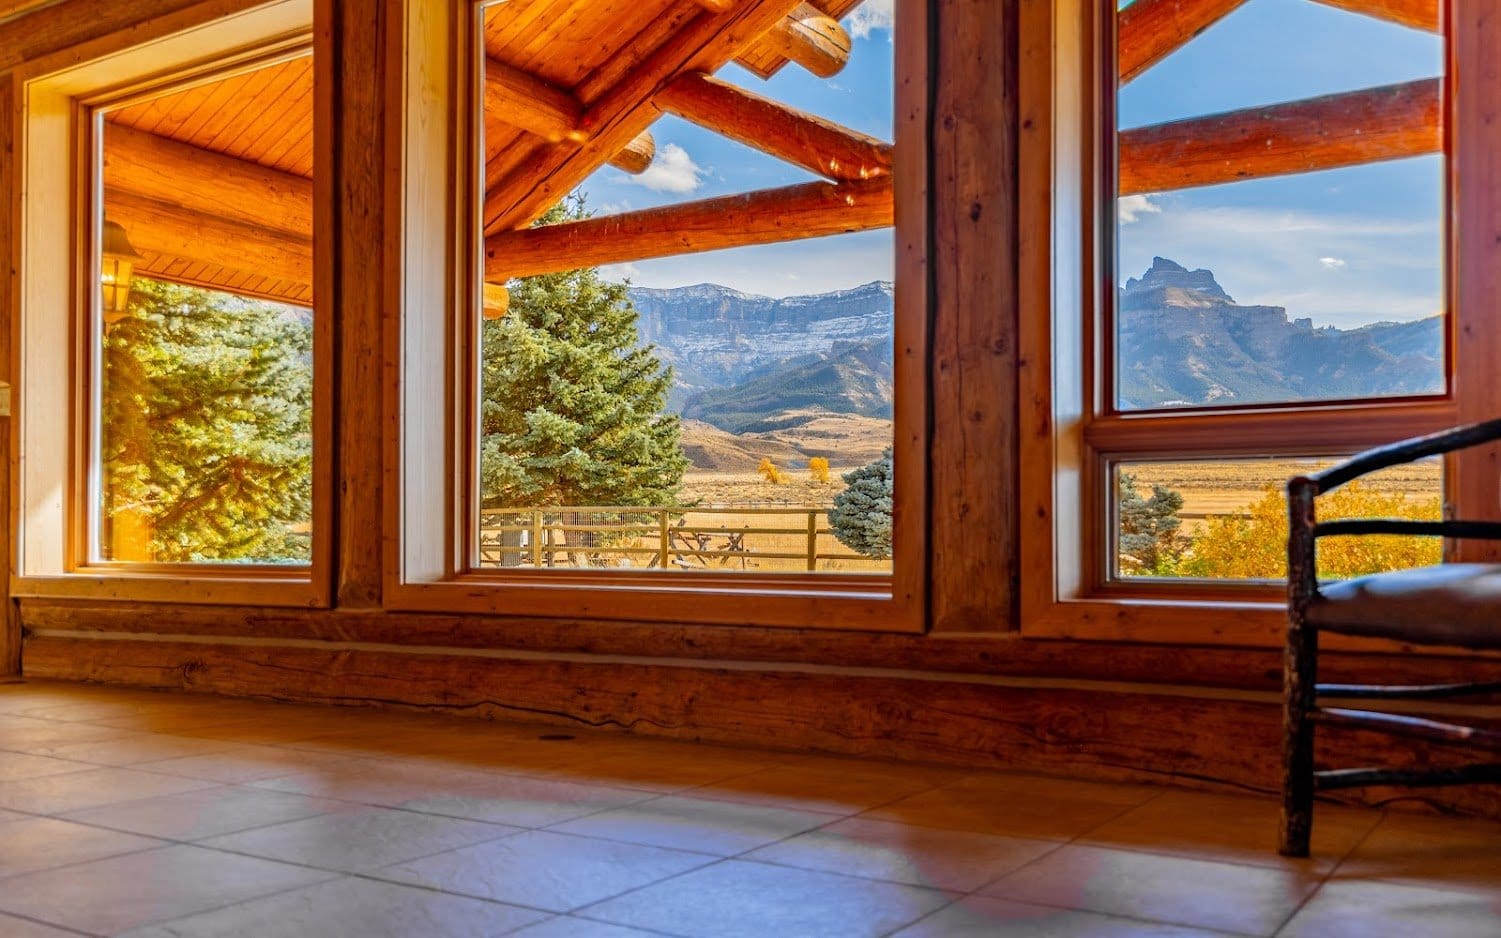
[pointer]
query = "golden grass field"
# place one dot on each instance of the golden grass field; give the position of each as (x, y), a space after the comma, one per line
(1228, 487)
(729, 503)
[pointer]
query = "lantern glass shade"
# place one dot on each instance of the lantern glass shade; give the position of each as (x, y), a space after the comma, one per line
(116, 268)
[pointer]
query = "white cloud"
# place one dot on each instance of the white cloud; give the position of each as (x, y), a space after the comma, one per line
(1333, 263)
(871, 16)
(1275, 256)
(673, 170)
(1130, 208)
(789, 268)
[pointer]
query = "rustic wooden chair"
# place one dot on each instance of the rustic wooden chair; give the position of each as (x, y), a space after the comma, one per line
(1451, 604)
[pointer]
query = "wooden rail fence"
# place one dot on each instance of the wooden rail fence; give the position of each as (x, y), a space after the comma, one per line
(664, 538)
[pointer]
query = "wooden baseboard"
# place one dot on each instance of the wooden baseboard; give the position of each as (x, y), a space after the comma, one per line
(1216, 741)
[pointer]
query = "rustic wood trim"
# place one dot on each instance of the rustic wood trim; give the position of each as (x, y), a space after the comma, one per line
(1151, 30)
(1349, 661)
(807, 210)
(1119, 733)
(1475, 263)
(1419, 14)
(1347, 129)
(806, 140)
(616, 113)
(159, 168)
(353, 113)
(973, 201)
(10, 618)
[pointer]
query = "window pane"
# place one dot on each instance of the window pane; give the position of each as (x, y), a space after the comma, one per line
(1227, 519)
(724, 410)
(203, 393)
(1281, 220)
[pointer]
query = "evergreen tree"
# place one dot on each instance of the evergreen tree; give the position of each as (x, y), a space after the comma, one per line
(861, 516)
(571, 406)
(207, 424)
(1150, 542)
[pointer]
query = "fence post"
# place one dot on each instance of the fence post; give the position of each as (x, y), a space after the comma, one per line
(536, 538)
(666, 539)
(812, 540)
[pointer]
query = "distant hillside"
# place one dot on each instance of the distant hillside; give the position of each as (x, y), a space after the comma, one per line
(715, 337)
(854, 379)
(1184, 341)
(843, 439)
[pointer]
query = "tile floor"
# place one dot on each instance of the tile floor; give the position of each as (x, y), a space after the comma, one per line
(151, 814)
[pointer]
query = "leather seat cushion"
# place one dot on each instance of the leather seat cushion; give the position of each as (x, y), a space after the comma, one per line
(1451, 604)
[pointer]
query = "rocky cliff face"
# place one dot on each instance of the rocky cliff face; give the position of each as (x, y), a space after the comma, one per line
(716, 337)
(1183, 341)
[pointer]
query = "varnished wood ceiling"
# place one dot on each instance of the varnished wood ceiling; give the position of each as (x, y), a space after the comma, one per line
(594, 53)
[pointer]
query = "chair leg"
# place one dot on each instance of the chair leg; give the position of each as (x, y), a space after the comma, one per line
(1300, 671)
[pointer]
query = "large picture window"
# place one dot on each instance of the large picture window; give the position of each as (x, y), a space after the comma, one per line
(174, 390)
(1255, 240)
(202, 419)
(687, 361)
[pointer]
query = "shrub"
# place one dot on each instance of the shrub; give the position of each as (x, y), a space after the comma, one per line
(861, 516)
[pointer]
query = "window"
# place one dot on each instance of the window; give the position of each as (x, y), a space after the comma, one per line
(169, 343)
(1263, 194)
(202, 420)
(678, 333)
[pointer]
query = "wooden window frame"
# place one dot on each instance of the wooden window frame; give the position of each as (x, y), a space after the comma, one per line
(57, 162)
(1069, 438)
(430, 378)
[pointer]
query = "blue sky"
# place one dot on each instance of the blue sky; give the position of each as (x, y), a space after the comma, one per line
(697, 164)
(1345, 247)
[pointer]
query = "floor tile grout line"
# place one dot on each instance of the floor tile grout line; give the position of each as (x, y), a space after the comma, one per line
(1069, 908)
(41, 921)
(1329, 877)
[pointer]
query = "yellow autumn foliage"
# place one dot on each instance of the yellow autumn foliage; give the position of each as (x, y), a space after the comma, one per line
(770, 471)
(818, 469)
(1255, 546)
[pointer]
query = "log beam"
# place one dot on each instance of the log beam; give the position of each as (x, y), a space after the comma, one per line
(806, 211)
(808, 36)
(1419, 14)
(616, 112)
(1148, 31)
(544, 110)
(802, 139)
(1349, 129)
(204, 182)
(169, 230)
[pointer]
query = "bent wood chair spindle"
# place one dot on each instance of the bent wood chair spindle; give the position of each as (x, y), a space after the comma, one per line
(1450, 604)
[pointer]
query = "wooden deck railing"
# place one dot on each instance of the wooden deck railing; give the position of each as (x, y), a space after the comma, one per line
(665, 538)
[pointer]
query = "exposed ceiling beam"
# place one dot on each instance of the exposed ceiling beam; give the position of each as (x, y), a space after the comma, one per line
(622, 110)
(525, 101)
(156, 227)
(1419, 14)
(155, 167)
(810, 210)
(1348, 129)
(1148, 31)
(808, 36)
(802, 139)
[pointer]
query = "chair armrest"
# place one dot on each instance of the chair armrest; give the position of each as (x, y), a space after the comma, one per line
(1396, 454)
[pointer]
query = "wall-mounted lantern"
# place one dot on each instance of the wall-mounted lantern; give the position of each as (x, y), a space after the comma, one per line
(117, 260)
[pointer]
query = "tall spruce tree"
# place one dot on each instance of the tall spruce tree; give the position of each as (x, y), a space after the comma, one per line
(207, 424)
(571, 405)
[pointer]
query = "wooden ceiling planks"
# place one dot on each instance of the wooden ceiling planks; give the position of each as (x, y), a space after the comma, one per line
(263, 116)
